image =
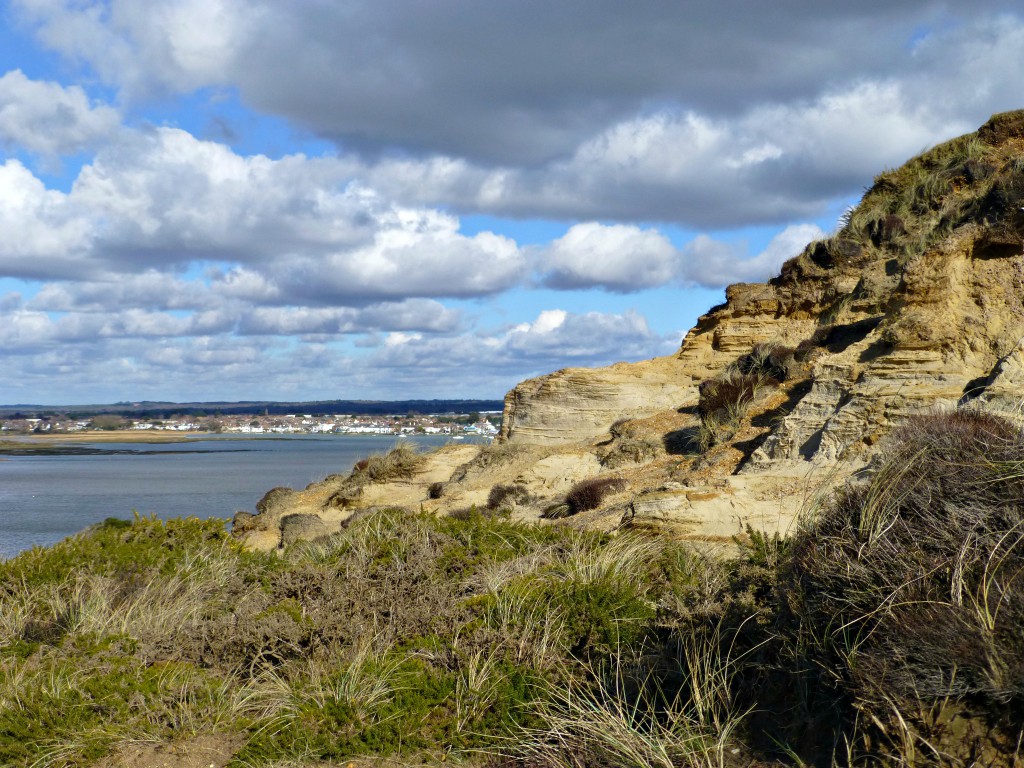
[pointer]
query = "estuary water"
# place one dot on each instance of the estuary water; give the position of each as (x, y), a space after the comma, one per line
(46, 498)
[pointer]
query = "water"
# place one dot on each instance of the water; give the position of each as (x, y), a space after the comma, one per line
(46, 498)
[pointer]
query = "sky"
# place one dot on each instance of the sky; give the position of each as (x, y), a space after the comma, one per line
(356, 199)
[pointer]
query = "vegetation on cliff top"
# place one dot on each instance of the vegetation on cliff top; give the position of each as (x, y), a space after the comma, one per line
(977, 179)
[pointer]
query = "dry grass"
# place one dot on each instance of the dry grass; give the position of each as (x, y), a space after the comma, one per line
(768, 361)
(399, 463)
(729, 394)
(621, 715)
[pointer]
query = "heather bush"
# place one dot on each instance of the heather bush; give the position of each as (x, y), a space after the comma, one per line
(506, 495)
(588, 494)
(909, 583)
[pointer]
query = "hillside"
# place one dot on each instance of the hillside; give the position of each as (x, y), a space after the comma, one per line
(915, 303)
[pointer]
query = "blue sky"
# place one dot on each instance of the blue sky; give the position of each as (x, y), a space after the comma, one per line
(218, 199)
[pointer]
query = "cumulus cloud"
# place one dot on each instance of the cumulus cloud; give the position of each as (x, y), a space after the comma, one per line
(50, 119)
(90, 357)
(715, 264)
(624, 258)
(396, 317)
(619, 257)
(162, 199)
(39, 324)
(168, 256)
(769, 164)
(41, 234)
(554, 338)
(758, 115)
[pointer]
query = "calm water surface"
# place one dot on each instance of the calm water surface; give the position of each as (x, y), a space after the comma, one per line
(45, 498)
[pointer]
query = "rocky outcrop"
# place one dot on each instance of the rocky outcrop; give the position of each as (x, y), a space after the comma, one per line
(579, 403)
(916, 302)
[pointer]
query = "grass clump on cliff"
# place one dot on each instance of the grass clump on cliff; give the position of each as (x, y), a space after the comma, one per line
(400, 463)
(974, 179)
(724, 400)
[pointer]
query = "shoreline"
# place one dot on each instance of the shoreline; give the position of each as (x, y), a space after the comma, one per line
(82, 443)
(108, 436)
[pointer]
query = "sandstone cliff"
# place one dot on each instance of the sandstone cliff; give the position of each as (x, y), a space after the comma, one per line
(916, 302)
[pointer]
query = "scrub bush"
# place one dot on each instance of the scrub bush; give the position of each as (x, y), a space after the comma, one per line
(588, 494)
(910, 583)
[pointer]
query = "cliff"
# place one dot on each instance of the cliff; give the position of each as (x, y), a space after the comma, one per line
(915, 303)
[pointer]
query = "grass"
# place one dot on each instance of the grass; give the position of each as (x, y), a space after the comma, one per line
(887, 629)
(405, 635)
(908, 211)
(724, 400)
(911, 580)
(400, 463)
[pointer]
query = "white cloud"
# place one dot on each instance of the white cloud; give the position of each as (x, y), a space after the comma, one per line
(766, 117)
(297, 228)
(616, 257)
(396, 317)
(41, 232)
(106, 292)
(74, 312)
(50, 119)
(109, 357)
(715, 264)
(169, 255)
(555, 337)
(769, 163)
(157, 47)
(625, 258)
(763, 117)
(505, 87)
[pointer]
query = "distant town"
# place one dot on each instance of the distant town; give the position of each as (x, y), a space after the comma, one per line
(476, 424)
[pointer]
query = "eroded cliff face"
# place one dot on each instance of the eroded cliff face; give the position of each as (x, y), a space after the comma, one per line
(916, 302)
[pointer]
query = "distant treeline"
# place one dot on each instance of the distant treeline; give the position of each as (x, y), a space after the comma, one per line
(156, 410)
